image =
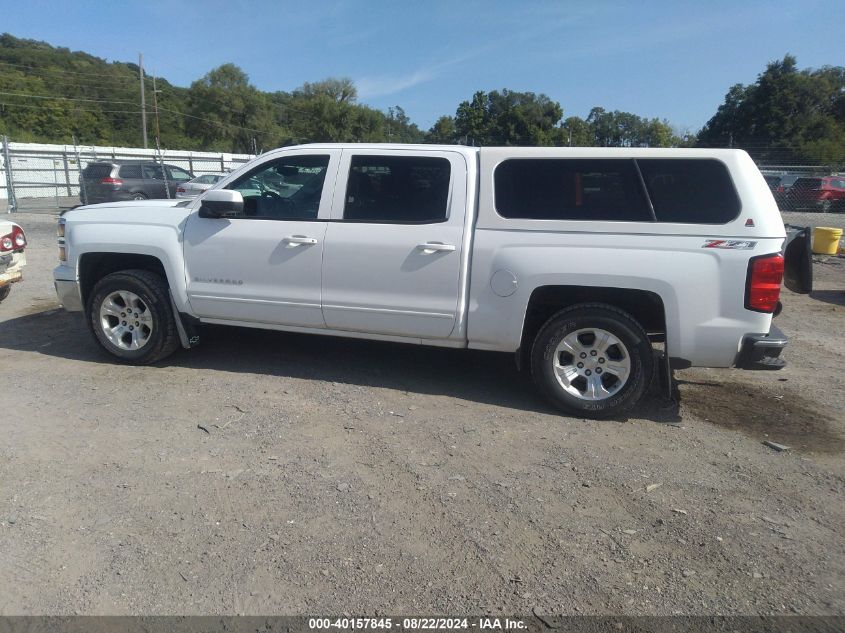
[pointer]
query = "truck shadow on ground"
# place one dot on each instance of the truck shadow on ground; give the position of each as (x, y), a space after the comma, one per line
(836, 297)
(763, 412)
(483, 377)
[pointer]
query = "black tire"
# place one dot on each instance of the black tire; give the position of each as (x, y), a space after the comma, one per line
(4, 291)
(623, 327)
(138, 196)
(153, 291)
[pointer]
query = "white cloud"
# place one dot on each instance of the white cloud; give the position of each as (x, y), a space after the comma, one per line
(382, 85)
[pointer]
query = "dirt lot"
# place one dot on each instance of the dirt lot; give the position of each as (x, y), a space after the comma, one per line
(347, 476)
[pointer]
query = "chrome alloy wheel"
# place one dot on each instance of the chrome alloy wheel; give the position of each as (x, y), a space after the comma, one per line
(126, 320)
(591, 364)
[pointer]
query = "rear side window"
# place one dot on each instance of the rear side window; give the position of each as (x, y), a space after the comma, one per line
(97, 170)
(570, 189)
(397, 189)
(690, 190)
(839, 183)
(808, 183)
(130, 171)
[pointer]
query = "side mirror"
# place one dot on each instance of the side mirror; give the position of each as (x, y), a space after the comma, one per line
(221, 203)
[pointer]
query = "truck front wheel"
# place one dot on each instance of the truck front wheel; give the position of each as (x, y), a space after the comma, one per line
(131, 317)
(592, 360)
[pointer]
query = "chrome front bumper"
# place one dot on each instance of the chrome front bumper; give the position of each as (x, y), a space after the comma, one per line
(68, 293)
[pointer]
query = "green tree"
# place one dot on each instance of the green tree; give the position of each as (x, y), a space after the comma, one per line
(575, 132)
(226, 112)
(443, 131)
(787, 115)
(508, 118)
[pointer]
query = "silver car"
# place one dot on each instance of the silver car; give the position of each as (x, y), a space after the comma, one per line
(195, 187)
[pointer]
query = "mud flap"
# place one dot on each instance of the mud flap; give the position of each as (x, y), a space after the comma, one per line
(798, 259)
(186, 325)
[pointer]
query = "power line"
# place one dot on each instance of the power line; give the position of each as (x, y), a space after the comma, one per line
(32, 96)
(191, 116)
(62, 71)
(41, 107)
(97, 85)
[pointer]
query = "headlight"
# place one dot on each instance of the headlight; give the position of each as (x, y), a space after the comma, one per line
(60, 229)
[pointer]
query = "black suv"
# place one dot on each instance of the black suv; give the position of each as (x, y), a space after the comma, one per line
(112, 181)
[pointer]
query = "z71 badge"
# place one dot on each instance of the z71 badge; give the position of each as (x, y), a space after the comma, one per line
(740, 245)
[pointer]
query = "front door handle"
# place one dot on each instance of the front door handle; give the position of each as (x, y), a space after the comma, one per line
(434, 247)
(298, 240)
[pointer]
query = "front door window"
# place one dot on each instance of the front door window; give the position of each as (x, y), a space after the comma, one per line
(284, 189)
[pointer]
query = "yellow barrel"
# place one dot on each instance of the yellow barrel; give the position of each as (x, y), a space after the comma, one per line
(826, 240)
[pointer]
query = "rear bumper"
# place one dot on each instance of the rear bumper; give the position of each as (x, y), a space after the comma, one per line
(11, 268)
(762, 351)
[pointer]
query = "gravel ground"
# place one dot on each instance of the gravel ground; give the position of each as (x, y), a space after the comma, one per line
(272, 473)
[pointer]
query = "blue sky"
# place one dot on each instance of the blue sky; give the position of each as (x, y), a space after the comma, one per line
(673, 60)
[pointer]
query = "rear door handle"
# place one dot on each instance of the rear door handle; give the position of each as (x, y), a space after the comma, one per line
(433, 247)
(297, 240)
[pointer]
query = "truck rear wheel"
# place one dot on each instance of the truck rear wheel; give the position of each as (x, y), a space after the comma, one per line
(592, 360)
(131, 316)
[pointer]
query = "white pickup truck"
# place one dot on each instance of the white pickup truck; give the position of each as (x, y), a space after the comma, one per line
(575, 259)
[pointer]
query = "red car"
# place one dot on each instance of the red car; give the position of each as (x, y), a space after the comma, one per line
(823, 194)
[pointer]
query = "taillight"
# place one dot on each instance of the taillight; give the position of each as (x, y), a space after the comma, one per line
(16, 240)
(111, 181)
(180, 189)
(762, 285)
(781, 189)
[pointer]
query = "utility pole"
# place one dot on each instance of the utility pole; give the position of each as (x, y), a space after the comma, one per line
(155, 107)
(158, 139)
(143, 100)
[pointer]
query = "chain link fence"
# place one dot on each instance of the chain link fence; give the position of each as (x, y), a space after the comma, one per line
(45, 178)
(807, 182)
(808, 195)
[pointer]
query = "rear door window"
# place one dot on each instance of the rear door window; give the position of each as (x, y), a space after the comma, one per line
(690, 191)
(178, 174)
(397, 190)
(570, 189)
(152, 172)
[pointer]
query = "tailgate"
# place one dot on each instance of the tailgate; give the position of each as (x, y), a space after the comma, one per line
(798, 259)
